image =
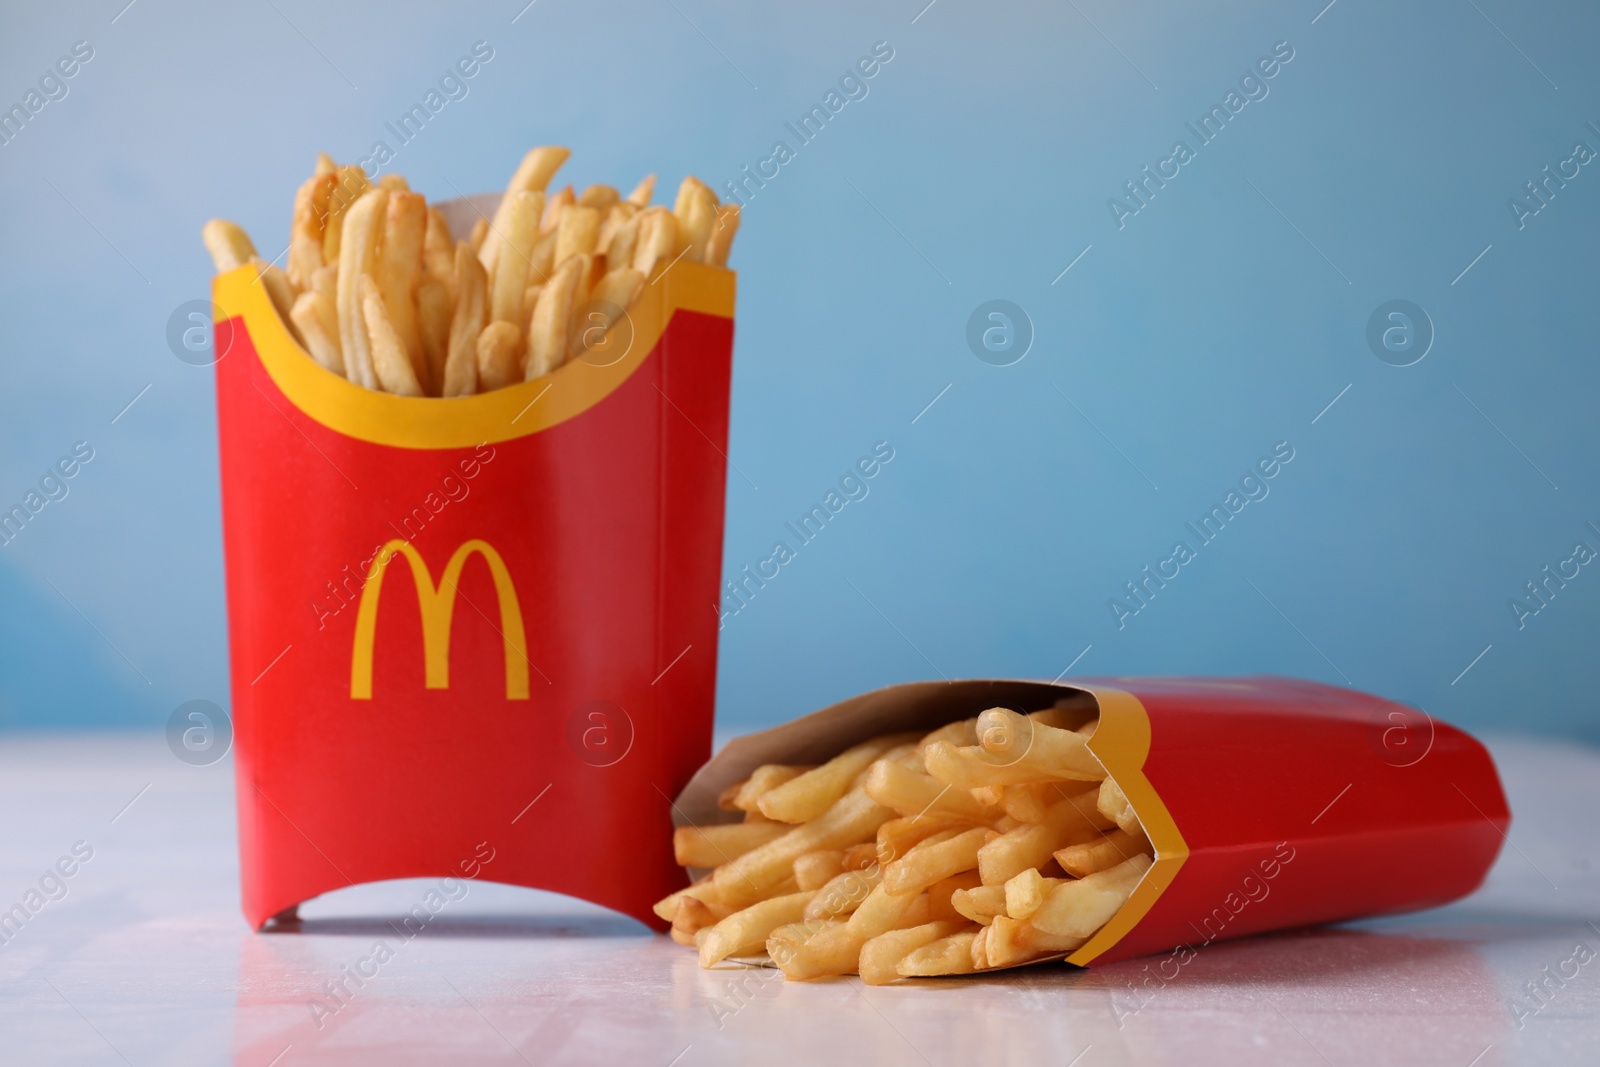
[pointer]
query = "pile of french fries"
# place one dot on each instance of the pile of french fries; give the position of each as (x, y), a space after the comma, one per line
(991, 842)
(377, 291)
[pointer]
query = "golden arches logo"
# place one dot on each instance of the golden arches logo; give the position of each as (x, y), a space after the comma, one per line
(438, 608)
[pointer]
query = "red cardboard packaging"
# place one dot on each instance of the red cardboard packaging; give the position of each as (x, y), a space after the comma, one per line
(1271, 803)
(537, 680)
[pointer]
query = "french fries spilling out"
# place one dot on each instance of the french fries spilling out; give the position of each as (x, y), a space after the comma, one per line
(991, 842)
(377, 291)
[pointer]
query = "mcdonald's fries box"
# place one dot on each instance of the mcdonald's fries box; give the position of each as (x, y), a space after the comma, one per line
(473, 636)
(1270, 802)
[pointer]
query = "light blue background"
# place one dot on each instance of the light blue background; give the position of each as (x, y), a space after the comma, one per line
(1215, 324)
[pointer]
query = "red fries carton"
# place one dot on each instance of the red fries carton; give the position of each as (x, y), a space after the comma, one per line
(1270, 802)
(536, 679)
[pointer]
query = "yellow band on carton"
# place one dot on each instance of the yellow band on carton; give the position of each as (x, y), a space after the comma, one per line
(1121, 742)
(465, 422)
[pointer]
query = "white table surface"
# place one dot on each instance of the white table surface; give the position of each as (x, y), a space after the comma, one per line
(146, 960)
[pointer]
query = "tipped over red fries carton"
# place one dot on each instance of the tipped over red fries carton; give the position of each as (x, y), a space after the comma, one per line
(941, 828)
(472, 494)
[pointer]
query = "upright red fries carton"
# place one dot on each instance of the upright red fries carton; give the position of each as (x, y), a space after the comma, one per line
(1270, 802)
(475, 636)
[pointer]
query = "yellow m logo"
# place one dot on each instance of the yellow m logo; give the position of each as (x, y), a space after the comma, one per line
(438, 607)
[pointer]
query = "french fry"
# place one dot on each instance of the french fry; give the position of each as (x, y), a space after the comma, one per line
(745, 932)
(1020, 739)
(880, 955)
(785, 939)
(399, 270)
(394, 183)
(358, 248)
(619, 288)
(311, 202)
(530, 300)
(948, 955)
(518, 227)
(829, 949)
(1103, 854)
(816, 869)
(981, 903)
(657, 241)
(692, 916)
(479, 234)
(980, 950)
(697, 219)
(960, 733)
(861, 856)
(318, 343)
(619, 244)
(554, 206)
(941, 894)
(809, 951)
(577, 232)
(896, 786)
(933, 860)
(640, 197)
(906, 754)
(1029, 802)
(542, 263)
(552, 315)
(782, 887)
(898, 836)
(807, 796)
(707, 894)
(689, 190)
(667, 907)
(325, 163)
(433, 328)
(607, 303)
(973, 767)
(471, 315)
(499, 352)
(990, 796)
(763, 780)
(1079, 908)
(1026, 891)
(1066, 822)
(855, 817)
(390, 363)
(229, 245)
(600, 197)
(726, 798)
(1012, 941)
(280, 290)
(708, 846)
(439, 251)
(615, 218)
(349, 185)
(532, 175)
(325, 285)
(1113, 804)
(843, 893)
(721, 241)
(814, 950)
(883, 911)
